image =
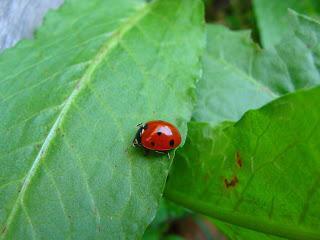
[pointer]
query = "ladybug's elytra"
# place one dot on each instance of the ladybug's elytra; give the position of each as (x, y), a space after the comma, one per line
(157, 135)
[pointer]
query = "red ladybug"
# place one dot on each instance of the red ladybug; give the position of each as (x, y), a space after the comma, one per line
(157, 135)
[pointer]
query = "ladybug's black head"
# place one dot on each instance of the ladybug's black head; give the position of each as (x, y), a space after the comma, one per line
(137, 138)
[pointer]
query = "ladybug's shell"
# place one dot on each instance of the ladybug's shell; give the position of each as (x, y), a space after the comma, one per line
(159, 136)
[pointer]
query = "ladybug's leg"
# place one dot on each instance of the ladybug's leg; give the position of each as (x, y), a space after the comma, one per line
(164, 152)
(137, 138)
(135, 143)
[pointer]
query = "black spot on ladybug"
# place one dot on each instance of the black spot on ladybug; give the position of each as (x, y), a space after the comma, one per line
(159, 133)
(171, 142)
(152, 144)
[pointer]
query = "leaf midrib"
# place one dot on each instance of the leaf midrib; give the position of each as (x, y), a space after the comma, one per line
(246, 221)
(83, 81)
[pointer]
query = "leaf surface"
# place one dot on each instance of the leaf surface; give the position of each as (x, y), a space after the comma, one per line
(69, 103)
(273, 20)
(228, 87)
(239, 76)
(240, 233)
(260, 173)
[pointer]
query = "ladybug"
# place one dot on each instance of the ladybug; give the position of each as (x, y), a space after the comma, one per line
(157, 135)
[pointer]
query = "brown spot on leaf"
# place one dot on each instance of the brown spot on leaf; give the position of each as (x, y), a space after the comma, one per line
(238, 159)
(231, 183)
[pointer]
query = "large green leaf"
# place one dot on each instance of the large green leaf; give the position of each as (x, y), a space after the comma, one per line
(240, 233)
(228, 88)
(69, 103)
(261, 173)
(273, 20)
(239, 76)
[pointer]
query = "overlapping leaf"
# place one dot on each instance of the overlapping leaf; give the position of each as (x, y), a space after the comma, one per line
(69, 103)
(239, 76)
(273, 20)
(262, 171)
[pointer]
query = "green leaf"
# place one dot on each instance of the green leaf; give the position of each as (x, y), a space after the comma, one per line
(228, 88)
(166, 214)
(168, 211)
(232, 75)
(273, 20)
(240, 233)
(238, 75)
(260, 173)
(69, 103)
